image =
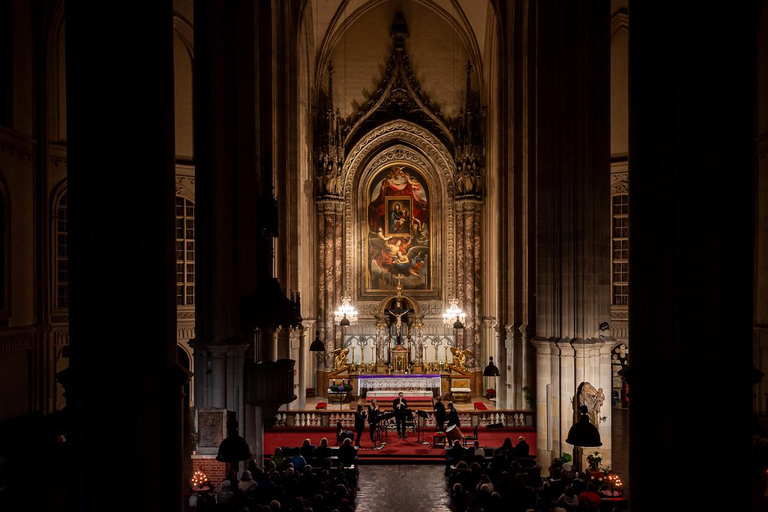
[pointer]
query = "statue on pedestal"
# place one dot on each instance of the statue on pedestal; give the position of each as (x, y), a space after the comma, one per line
(340, 358)
(460, 357)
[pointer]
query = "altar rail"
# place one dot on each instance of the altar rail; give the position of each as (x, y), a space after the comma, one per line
(329, 418)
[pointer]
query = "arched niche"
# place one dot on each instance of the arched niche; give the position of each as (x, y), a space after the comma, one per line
(398, 142)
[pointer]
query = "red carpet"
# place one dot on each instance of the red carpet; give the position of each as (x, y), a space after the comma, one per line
(410, 450)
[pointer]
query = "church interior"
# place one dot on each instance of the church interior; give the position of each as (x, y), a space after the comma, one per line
(317, 204)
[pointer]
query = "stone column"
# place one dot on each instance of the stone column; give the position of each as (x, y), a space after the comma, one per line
(691, 144)
(303, 354)
(123, 383)
(572, 188)
(218, 381)
(235, 377)
(202, 384)
(292, 348)
(502, 383)
(547, 439)
(254, 435)
(330, 223)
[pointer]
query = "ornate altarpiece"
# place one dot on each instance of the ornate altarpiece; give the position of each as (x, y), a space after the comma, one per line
(399, 142)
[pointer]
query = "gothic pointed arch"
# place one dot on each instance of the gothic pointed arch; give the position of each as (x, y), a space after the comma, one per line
(399, 144)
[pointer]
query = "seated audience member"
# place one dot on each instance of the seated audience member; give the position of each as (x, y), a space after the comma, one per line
(298, 461)
(279, 459)
(246, 482)
(456, 452)
(479, 450)
(347, 452)
(506, 448)
(589, 499)
(459, 474)
(323, 451)
(569, 500)
(485, 480)
(522, 448)
(342, 434)
(461, 499)
(567, 474)
(498, 461)
(225, 499)
(307, 450)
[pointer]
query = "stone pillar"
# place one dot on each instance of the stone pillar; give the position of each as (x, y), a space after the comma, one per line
(572, 186)
(761, 215)
(235, 377)
(254, 435)
(502, 383)
(603, 355)
(218, 381)
(691, 141)
(294, 333)
(568, 365)
(303, 354)
(547, 439)
(468, 275)
(123, 383)
(513, 176)
(330, 223)
(202, 397)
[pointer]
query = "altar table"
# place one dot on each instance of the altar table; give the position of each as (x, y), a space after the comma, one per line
(397, 383)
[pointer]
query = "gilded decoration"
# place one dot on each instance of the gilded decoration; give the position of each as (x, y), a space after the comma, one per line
(399, 223)
(366, 162)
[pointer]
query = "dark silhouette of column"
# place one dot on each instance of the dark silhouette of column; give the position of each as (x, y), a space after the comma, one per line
(691, 136)
(124, 388)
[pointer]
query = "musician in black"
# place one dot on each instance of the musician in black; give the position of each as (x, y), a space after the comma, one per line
(373, 417)
(453, 415)
(359, 423)
(400, 406)
(439, 413)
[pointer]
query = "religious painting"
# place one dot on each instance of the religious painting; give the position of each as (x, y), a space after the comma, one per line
(399, 222)
(398, 216)
(211, 424)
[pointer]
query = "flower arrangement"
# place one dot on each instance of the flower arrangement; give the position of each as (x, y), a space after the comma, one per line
(594, 460)
(341, 387)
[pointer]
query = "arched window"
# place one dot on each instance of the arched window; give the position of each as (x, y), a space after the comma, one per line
(620, 242)
(185, 252)
(61, 253)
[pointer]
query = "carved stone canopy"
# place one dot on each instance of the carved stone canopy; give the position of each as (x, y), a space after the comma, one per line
(398, 96)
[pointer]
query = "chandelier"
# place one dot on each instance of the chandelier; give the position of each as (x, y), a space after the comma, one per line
(346, 314)
(454, 316)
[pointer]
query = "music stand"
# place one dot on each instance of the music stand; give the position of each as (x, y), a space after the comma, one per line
(382, 430)
(420, 436)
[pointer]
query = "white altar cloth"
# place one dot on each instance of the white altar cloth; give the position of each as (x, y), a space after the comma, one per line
(399, 382)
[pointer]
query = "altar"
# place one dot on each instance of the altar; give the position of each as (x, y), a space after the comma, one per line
(387, 385)
(393, 354)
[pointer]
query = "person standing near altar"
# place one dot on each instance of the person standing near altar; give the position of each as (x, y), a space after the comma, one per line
(439, 413)
(373, 417)
(359, 423)
(400, 406)
(453, 415)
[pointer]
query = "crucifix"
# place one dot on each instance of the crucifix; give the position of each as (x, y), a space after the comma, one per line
(397, 313)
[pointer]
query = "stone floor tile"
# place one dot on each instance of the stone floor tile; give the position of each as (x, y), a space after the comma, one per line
(392, 488)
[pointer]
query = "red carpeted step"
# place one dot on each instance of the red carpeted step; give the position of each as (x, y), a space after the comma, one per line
(396, 449)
